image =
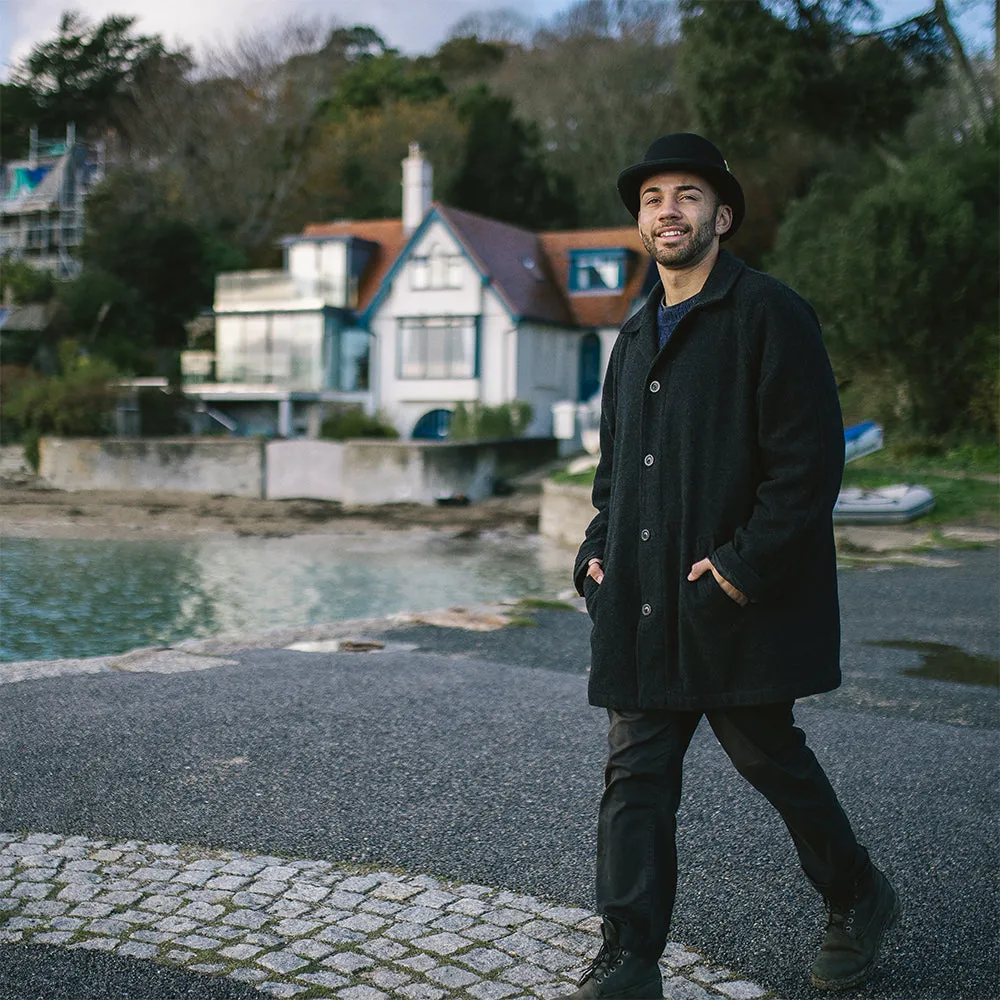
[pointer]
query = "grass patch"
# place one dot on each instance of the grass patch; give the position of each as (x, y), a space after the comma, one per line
(940, 541)
(585, 478)
(522, 621)
(926, 455)
(542, 604)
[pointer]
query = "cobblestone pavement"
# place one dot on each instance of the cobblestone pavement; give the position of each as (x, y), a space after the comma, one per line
(300, 928)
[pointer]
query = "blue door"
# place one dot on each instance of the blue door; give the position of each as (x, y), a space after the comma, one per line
(590, 366)
(433, 426)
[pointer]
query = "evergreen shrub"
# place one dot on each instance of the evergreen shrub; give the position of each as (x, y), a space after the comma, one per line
(476, 422)
(355, 423)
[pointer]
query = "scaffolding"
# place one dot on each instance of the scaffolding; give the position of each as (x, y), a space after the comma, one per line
(42, 201)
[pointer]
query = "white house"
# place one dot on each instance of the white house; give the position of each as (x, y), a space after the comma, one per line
(411, 316)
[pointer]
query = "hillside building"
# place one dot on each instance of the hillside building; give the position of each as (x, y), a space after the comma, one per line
(42, 199)
(410, 316)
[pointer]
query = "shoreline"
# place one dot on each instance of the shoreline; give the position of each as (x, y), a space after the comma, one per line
(32, 511)
(29, 509)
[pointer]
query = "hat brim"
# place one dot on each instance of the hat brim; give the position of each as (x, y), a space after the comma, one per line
(728, 188)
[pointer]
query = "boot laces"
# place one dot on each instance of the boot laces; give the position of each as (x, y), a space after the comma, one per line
(606, 962)
(841, 917)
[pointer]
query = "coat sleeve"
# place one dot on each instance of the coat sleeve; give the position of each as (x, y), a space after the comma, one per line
(800, 440)
(597, 530)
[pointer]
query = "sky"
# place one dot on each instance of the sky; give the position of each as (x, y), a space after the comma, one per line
(413, 26)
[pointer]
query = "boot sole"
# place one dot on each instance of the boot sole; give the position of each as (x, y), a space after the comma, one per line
(835, 985)
(650, 990)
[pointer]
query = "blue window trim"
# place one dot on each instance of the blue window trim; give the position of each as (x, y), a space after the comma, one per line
(578, 257)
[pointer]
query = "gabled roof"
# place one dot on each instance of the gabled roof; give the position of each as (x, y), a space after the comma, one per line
(514, 259)
(529, 271)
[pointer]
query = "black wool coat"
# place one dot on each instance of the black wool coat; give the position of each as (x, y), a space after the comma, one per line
(727, 444)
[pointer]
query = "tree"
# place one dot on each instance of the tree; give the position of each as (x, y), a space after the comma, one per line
(238, 137)
(19, 110)
(753, 70)
(85, 75)
(147, 270)
(373, 81)
(467, 57)
(503, 173)
(77, 402)
(902, 266)
(792, 88)
(353, 170)
(599, 85)
(23, 283)
(502, 25)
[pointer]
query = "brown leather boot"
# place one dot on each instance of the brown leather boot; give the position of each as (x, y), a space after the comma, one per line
(617, 973)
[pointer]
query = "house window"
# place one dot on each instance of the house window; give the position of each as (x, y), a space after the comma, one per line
(597, 270)
(438, 347)
(272, 348)
(355, 348)
(436, 270)
(346, 358)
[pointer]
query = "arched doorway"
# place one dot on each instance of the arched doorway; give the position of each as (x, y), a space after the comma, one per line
(590, 366)
(433, 426)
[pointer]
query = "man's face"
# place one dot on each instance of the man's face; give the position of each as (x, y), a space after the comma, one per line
(680, 219)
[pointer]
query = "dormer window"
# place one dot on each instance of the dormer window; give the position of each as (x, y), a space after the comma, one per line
(597, 271)
(435, 270)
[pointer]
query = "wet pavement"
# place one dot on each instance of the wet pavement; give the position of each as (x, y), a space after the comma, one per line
(453, 761)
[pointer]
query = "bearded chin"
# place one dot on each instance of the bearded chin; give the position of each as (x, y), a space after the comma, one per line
(694, 251)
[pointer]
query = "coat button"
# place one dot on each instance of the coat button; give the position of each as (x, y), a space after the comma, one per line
(647, 609)
(649, 460)
(644, 534)
(654, 386)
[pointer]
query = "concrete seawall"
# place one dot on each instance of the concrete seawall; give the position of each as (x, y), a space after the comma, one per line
(355, 472)
(565, 513)
(234, 467)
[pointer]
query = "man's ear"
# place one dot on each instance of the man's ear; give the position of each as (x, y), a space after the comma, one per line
(723, 220)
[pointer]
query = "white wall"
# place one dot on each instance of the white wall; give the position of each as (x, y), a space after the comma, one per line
(548, 361)
(404, 401)
(320, 266)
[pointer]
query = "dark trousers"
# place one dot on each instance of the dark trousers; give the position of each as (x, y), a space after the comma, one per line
(636, 834)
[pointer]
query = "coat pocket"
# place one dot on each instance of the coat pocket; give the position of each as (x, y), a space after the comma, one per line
(590, 591)
(709, 602)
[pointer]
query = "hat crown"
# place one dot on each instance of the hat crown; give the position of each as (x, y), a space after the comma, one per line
(686, 146)
(689, 153)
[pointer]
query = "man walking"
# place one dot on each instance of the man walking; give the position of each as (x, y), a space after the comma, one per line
(709, 570)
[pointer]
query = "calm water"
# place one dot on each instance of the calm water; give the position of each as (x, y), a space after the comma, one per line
(70, 598)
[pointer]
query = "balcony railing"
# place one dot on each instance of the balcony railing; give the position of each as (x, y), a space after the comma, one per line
(243, 287)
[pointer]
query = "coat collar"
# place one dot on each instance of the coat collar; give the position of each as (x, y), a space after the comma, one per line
(722, 278)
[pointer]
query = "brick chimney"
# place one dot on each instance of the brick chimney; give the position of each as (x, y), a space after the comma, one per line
(417, 179)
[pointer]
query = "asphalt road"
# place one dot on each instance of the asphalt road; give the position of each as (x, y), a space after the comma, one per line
(477, 757)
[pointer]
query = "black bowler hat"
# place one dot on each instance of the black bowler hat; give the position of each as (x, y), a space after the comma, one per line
(687, 153)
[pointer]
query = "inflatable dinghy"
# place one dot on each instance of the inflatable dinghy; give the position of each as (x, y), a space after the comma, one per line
(882, 505)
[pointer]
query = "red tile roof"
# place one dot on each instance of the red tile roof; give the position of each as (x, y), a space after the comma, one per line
(530, 271)
(590, 309)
